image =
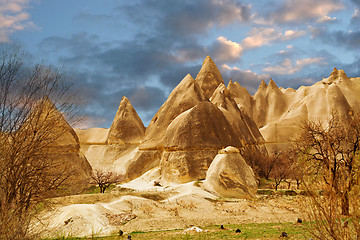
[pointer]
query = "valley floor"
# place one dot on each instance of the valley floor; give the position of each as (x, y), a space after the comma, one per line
(150, 208)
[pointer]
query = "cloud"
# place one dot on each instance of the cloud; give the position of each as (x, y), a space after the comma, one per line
(104, 72)
(287, 67)
(164, 41)
(326, 19)
(172, 76)
(298, 11)
(347, 39)
(80, 43)
(187, 17)
(13, 18)
(224, 50)
(264, 36)
(355, 19)
(146, 97)
(161, 48)
(94, 18)
(246, 78)
(356, 2)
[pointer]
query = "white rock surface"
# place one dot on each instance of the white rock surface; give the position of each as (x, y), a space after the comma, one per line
(230, 176)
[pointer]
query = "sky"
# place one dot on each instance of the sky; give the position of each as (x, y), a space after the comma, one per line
(142, 49)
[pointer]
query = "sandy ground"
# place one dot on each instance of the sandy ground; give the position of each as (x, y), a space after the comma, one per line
(141, 206)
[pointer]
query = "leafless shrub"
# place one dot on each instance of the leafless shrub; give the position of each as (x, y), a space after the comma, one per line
(259, 160)
(282, 169)
(105, 178)
(331, 153)
(32, 101)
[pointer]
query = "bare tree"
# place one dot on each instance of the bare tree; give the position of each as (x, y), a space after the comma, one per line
(331, 151)
(105, 178)
(259, 160)
(33, 100)
(282, 169)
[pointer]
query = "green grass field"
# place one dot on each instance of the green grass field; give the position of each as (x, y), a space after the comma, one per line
(248, 231)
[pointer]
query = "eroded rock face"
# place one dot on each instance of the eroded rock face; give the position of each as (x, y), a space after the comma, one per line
(209, 77)
(185, 166)
(143, 161)
(192, 140)
(279, 113)
(188, 130)
(127, 127)
(185, 95)
(105, 148)
(203, 126)
(230, 176)
(241, 96)
(61, 145)
(242, 124)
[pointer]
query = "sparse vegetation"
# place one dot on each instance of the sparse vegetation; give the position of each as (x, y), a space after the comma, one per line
(248, 231)
(105, 178)
(281, 168)
(331, 153)
(262, 162)
(31, 100)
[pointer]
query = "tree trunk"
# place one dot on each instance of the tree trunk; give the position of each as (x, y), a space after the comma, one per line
(345, 204)
(276, 185)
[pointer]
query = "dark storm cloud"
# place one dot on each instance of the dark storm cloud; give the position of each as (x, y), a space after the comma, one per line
(103, 75)
(141, 95)
(76, 44)
(173, 76)
(356, 2)
(187, 17)
(346, 39)
(166, 45)
(137, 61)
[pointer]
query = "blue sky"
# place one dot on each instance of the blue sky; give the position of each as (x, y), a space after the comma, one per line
(143, 48)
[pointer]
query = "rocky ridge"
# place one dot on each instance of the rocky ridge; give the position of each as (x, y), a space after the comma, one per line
(198, 119)
(279, 112)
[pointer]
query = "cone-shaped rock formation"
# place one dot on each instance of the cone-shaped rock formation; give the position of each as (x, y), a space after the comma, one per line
(241, 96)
(45, 116)
(244, 127)
(203, 126)
(184, 96)
(127, 127)
(209, 77)
(60, 142)
(187, 131)
(192, 141)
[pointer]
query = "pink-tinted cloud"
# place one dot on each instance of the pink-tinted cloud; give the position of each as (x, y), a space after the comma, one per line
(305, 10)
(224, 50)
(287, 67)
(264, 36)
(246, 78)
(13, 17)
